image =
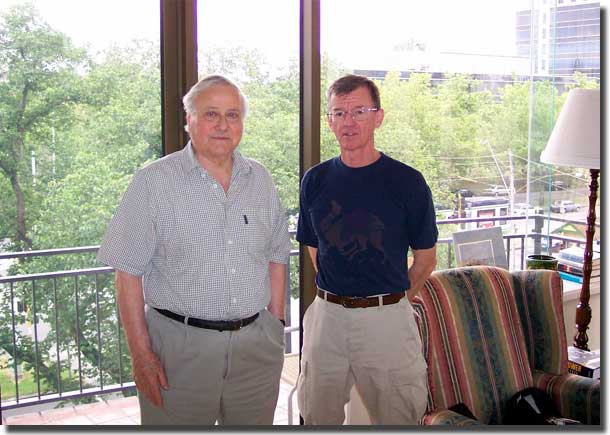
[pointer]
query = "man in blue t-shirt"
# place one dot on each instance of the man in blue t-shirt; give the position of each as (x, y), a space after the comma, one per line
(359, 215)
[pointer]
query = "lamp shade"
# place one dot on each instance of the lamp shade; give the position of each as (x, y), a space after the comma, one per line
(575, 137)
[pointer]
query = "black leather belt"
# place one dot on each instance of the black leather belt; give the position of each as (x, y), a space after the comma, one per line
(356, 302)
(218, 325)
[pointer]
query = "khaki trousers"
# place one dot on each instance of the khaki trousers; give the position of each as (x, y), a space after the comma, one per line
(378, 349)
(229, 377)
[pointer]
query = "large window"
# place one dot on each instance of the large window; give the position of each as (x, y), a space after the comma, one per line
(458, 83)
(79, 114)
(80, 99)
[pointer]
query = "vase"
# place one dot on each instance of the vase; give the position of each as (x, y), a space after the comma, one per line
(540, 261)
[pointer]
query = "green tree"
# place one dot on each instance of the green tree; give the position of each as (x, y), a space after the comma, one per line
(106, 134)
(39, 87)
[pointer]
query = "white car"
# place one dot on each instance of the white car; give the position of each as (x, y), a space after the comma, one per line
(496, 190)
(564, 206)
(521, 209)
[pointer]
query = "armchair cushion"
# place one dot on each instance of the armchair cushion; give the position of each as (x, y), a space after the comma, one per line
(447, 417)
(539, 296)
(576, 397)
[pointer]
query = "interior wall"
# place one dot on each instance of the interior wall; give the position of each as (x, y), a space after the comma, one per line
(569, 316)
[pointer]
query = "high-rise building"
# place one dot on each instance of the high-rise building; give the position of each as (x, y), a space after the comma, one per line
(564, 36)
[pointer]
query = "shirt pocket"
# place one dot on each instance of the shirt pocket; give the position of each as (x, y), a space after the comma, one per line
(192, 238)
(257, 229)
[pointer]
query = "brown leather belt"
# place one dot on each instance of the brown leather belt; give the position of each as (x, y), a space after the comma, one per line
(356, 302)
(218, 325)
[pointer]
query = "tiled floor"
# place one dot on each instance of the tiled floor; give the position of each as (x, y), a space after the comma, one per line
(124, 412)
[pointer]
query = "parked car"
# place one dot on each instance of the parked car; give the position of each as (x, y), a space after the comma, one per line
(564, 206)
(556, 245)
(521, 209)
(464, 193)
(496, 190)
(558, 185)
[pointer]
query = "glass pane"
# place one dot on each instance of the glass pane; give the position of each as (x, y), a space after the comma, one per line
(82, 109)
(571, 57)
(79, 114)
(468, 103)
(262, 56)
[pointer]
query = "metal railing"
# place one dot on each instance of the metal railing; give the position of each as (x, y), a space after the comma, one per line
(63, 328)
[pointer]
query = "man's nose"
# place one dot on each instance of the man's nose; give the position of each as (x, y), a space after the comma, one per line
(222, 123)
(349, 119)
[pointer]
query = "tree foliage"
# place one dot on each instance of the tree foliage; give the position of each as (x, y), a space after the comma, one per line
(37, 90)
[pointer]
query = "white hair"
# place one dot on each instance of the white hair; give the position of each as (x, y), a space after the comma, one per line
(190, 98)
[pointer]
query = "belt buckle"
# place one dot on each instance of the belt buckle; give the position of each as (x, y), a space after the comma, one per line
(348, 302)
(237, 325)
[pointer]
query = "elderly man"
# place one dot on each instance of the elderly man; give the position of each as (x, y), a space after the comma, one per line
(359, 215)
(200, 245)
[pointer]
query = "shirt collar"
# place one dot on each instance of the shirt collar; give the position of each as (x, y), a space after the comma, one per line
(190, 162)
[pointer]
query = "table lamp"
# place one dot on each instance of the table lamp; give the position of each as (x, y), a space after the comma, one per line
(575, 142)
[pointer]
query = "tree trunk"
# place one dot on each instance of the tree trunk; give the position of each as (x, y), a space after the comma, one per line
(20, 206)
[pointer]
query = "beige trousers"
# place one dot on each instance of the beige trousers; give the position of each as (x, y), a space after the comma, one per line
(229, 377)
(378, 349)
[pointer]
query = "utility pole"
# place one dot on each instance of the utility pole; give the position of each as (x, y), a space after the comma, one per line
(53, 148)
(33, 160)
(512, 182)
(497, 164)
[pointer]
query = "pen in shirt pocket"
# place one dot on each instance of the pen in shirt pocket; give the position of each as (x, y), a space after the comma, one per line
(246, 219)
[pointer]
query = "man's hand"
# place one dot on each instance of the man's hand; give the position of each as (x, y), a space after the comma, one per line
(148, 372)
(424, 261)
(149, 376)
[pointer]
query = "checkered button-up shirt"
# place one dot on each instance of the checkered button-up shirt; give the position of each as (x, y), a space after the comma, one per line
(202, 252)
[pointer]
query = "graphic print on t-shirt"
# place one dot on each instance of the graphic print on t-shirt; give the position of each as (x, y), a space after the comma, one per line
(357, 235)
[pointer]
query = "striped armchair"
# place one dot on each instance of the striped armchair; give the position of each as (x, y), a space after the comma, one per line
(488, 333)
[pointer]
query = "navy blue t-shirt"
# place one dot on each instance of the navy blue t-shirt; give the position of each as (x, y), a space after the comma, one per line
(363, 221)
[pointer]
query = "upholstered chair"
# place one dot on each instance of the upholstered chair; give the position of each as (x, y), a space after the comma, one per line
(488, 333)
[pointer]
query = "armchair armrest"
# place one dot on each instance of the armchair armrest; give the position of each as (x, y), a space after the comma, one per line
(576, 397)
(447, 417)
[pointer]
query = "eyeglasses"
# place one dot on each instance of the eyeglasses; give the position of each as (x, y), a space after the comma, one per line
(232, 116)
(357, 114)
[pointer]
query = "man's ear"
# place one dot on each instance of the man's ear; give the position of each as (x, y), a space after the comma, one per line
(379, 115)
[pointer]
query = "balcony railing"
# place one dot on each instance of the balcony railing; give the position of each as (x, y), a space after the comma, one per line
(62, 337)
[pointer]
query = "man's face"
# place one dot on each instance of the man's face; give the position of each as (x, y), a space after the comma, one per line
(350, 133)
(217, 125)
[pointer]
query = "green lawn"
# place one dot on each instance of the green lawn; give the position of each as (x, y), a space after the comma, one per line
(27, 384)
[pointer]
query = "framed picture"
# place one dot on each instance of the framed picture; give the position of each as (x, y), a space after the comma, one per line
(483, 246)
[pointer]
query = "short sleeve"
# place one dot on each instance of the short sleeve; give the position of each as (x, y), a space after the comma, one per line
(423, 232)
(280, 239)
(305, 231)
(130, 239)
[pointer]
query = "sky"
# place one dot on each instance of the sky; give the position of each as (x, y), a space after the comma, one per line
(352, 30)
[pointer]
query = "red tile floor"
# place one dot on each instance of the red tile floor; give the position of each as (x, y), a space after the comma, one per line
(123, 411)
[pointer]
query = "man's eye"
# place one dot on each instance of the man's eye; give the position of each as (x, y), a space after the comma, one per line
(211, 115)
(358, 112)
(339, 114)
(232, 116)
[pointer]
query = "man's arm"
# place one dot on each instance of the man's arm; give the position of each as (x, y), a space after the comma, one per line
(148, 372)
(313, 253)
(277, 276)
(424, 262)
